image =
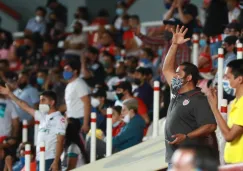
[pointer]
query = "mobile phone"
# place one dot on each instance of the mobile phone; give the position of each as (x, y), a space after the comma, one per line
(167, 140)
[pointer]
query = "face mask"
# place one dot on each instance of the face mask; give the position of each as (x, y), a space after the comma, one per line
(176, 84)
(117, 57)
(202, 42)
(67, 75)
(44, 108)
(40, 81)
(119, 11)
(95, 102)
(116, 124)
(119, 96)
(125, 28)
(227, 88)
(126, 118)
(22, 160)
(22, 85)
(38, 18)
(137, 81)
(160, 52)
(168, 35)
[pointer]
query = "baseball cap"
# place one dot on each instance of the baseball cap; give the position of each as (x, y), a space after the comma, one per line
(125, 85)
(99, 92)
(171, 21)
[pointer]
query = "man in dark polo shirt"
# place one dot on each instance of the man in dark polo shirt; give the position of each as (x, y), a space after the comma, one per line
(189, 118)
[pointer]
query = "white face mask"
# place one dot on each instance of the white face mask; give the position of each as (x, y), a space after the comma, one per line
(126, 118)
(95, 102)
(44, 108)
(116, 124)
(38, 18)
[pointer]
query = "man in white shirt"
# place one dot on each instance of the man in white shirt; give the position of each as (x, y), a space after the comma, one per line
(51, 129)
(76, 94)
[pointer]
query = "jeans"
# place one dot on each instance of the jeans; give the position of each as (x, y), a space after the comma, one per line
(48, 164)
(214, 51)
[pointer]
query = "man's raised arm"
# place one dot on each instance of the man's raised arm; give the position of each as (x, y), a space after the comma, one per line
(169, 64)
(22, 104)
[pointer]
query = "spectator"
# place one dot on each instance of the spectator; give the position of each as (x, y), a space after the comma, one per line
(11, 79)
(6, 40)
(75, 43)
(234, 10)
(134, 22)
(183, 82)
(37, 24)
(124, 92)
(230, 49)
(183, 54)
(130, 44)
(186, 12)
(232, 29)
(117, 122)
(121, 10)
(144, 90)
(15, 63)
(58, 9)
(146, 58)
(233, 130)
(92, 69)
(109, 65)
(74, 154)
(102, 18)
(53, 135)
(132, 133)
(107, 43)
(4, 65)
(198, 157)
(41, 79)
(76, 94)
(81, 15)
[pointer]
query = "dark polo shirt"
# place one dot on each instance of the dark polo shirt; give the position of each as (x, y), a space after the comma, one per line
(186, 113)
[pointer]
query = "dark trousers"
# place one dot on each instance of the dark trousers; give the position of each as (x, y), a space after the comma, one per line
(48, 165)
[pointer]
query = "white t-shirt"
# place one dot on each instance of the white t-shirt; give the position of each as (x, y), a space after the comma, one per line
(73, 93)
(75, 39)
(50, 126)
(234, 14)
(114, 81)
(7, 113)
(73, 151)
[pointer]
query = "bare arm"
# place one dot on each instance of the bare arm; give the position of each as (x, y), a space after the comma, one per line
(72, 163)
(87, 110)
(168, 15)
(202, 131)
(59, 149)
(169, 64)
(185, 18)
(15, 127)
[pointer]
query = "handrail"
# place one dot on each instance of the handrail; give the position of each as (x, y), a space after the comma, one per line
(10, 11)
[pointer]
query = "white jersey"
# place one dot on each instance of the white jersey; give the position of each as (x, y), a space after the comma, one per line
(50, 126)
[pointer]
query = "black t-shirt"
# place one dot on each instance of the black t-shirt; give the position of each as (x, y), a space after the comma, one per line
(98, 72)
(186, 113)
(191, 10)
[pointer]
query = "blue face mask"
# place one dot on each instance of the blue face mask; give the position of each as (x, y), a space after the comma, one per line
(67, 75)
(160, 52)
(119, 11)
(40, 81)
(227, 88)
(22, 160)
(125, 28)
(202, 42)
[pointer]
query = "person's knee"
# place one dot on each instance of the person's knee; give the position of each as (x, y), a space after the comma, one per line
(8, 160)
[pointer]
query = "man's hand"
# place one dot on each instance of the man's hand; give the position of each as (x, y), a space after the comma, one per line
(212, 98)
(137, 31)
(178, 36)
(4, 90)
(179, 138)
(54, 166)
(85, 128)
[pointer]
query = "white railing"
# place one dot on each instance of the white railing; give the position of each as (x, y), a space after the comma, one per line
(94, 28)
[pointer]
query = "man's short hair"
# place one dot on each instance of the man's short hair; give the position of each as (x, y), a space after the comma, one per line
(112, 58)
(125, 85)
(51, 95)
(149, 51)
(135, 17)
(131, 104)
(93, 50)
(75, 64)
(191, 69)
(237, 67)
(41, 9)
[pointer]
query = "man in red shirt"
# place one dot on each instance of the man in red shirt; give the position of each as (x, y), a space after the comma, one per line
(117, 122)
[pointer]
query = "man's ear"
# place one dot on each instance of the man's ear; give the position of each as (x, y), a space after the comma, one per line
(53, 103)
(240, 79)
(189, 78)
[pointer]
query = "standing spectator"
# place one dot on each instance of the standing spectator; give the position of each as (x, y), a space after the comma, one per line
(109, 65)
(37, 24)
(92, 69)
(188, 104)
(74, 154)
(186, 12)
(121, 10)
(132, 133)
(234, 10)
(58, 9)
(144, 90)
(51, 129)
(76, 94)
(75, 43)
(117, 122)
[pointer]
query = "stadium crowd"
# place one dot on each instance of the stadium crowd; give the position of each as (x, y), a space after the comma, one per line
(59, 77)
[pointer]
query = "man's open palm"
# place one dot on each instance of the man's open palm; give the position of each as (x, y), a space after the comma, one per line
(178, 35)
(4, 90)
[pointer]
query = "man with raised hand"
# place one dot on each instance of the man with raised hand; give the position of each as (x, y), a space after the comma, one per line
(51, 129)
(189, 118)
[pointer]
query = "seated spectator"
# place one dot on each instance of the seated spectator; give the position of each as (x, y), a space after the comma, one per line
(132, 133)
(146, 58)
(108, 61)
(76, 42)
(91, 68)
(144, 90)
(117, 122)
(74, 154)
(194, 157)
(107, 43)
(99, 105)
(121, 10)
(37, 24)
(124, 92)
